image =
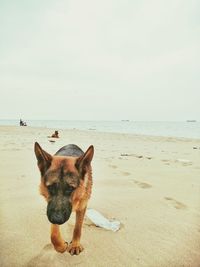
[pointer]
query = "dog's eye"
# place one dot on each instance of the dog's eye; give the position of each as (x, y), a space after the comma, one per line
(52, 188)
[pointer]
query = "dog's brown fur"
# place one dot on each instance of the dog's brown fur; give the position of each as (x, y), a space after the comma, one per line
(76, 173)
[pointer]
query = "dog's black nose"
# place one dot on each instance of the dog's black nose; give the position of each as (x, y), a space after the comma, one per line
(57, 218)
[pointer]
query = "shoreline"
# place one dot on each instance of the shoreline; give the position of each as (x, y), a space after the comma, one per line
(51, 129)
(149, 128)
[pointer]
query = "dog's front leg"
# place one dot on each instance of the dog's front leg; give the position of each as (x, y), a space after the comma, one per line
(75, 247)
(59, 244)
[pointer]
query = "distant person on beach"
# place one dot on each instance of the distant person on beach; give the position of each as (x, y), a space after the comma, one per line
(22, 123)
(55, 135)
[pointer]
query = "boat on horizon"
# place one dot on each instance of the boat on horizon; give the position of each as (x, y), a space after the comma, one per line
(191, 121)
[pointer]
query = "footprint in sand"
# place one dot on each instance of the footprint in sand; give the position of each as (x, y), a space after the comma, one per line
(113, 166)
(142, 184)
(166, 161)
(176, 204)
(125, 173)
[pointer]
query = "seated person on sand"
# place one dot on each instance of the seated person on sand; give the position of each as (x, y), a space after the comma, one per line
(55, 135)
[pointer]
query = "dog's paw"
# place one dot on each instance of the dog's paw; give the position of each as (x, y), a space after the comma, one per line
(75, 249)
(61, 248)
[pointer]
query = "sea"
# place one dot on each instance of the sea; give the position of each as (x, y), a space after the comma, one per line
(186, 129)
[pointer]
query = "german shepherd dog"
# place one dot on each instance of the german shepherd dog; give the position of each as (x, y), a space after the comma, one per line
(66, 184)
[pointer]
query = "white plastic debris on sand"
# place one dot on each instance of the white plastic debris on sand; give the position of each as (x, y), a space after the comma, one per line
(99, 220)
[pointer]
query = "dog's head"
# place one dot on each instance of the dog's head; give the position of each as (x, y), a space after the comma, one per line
(61, 178)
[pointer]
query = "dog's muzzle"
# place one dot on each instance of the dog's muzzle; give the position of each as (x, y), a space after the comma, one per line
(58, 212)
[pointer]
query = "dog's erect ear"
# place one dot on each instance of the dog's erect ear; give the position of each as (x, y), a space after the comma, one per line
(84, 161)
(44, 159)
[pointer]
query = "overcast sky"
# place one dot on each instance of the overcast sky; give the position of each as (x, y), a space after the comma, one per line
(92, 60)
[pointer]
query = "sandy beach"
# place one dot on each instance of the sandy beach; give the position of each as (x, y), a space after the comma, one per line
(150, 184)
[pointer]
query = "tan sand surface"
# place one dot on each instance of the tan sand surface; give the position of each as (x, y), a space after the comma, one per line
(150, 184)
